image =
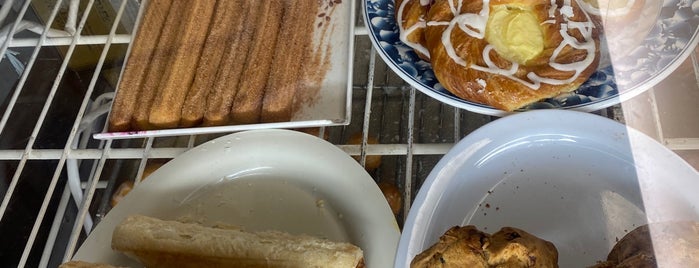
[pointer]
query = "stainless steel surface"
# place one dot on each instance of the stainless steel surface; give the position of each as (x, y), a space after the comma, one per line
(58, 180)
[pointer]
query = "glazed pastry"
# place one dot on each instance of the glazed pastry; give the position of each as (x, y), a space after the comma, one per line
(510, 53)
(411, 19)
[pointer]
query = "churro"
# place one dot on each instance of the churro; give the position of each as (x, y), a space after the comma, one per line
(134, 73)
(284, 77)
(157, 67)
(224, 24)
(223, 93)
(247, 105)
(167, 107)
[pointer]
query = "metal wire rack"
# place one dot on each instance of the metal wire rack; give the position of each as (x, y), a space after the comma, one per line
(58, 180)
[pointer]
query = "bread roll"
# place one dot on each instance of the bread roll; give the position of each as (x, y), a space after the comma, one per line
(159, 243)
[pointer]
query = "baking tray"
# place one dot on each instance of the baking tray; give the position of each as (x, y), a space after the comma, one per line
(332, 104)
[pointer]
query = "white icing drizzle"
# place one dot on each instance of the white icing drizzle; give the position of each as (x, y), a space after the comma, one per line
(474, 25)
(404, 33)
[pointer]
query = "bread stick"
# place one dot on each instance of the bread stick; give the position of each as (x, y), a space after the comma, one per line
(179, 73)
(284, 76)
(247, 105)
(158, 243)
(224, 25)
(135, 71)
(223, 93)
(155, 70)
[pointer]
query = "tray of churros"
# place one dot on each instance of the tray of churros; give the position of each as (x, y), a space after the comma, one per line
(212, 66)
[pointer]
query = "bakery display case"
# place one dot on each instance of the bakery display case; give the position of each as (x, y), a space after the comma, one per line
(63, 170)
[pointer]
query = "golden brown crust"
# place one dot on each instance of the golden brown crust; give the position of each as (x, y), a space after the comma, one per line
(226, 22)
(492, 88)
(247, 105)
(512, 247)
(458, 247)
(139, 58)
(411, 22)
(84, 264)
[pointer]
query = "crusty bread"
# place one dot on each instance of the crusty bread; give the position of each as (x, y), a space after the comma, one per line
(159, 243)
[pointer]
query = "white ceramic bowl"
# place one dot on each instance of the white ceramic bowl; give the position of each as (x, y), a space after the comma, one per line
(578, 180)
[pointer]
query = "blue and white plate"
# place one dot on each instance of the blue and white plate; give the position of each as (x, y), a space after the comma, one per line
(668, 43)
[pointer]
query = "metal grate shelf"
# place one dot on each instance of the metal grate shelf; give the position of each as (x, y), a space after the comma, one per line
(58, 181)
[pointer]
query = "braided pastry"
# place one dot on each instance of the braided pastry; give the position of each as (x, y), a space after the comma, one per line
(411, 19)
(510, 53)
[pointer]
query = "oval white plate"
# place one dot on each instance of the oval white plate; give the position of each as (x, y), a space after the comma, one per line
(579, 180)
(262, 180)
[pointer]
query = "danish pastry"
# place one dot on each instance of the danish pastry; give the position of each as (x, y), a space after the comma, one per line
(510, 53)
(411, 19)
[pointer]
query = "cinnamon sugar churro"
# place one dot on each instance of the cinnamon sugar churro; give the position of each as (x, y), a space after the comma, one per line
(225, 22)
(134, 74)
(223, 93)
(284, 77)
(247, 105)
(179, 73)
(158, 63)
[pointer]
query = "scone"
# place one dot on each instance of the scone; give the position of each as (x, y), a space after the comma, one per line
(458, 247)
(469, 247)
(512, 247)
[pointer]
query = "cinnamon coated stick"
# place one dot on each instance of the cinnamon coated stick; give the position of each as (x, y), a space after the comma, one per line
(247, 105)
(179, 73)
(223, 93)
(135, 71)
(284, 79)
(158, 64)
(227, 20)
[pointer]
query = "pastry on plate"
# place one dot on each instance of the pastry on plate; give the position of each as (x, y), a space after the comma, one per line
(411, 17)
(510, 53)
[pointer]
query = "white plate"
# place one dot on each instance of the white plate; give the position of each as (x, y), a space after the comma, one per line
(578, 180)
(332, 104)
(261, 180)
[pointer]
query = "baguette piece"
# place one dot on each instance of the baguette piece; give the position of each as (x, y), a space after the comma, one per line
(247, 105)
(158, 243)
(166, 110)
(135, 71)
